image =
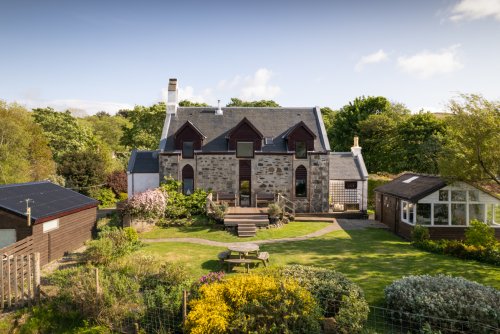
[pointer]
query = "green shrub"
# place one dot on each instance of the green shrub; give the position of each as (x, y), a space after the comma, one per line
(274, 210)
(253, 303)
(444, 297)
(338, 297)
(180, 205)
(420, 233)
(117, 299)
(480, 234)
(112, 243)
(105, 196)
(122, 197)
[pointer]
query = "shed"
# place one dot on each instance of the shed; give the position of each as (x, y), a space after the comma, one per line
(446, 208)
(61, 219)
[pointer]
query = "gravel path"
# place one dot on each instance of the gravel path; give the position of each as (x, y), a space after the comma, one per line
(340, 224)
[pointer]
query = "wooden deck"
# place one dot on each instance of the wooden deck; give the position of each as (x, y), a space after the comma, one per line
(236, 210)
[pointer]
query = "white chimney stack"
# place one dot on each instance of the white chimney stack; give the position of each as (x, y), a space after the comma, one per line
(172, 99)
(219, 109)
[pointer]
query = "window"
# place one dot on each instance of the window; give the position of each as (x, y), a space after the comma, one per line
(187, 180)
(301, 182)
(440, 214)
(443, 195)
(424, 213)
(300, 150)
(407, 212)
(404, 211)
(473, 195)
(458, 214)
(492, 214)
(187, 149)
(476, 211)
(351, 185)
(268, 140)
(50, 225)
(244, 149)
(458, 195)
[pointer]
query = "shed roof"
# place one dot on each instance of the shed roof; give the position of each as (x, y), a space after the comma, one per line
(271, 122)
(412, 186)
(49, 201)
(143, 162)
(345, 166)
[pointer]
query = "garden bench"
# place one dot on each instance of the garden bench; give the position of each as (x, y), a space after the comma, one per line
(263, 198)
(230, 198)
(234, 262)
(263, 256)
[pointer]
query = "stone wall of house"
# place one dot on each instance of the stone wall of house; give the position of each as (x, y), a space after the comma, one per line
(169, 166)
(217, 172)
(319, 178)
(271, 174)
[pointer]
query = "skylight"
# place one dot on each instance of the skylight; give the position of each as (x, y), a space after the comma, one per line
(413, 178)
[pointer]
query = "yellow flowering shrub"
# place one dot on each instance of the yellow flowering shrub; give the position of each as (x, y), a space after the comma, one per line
(253, 303)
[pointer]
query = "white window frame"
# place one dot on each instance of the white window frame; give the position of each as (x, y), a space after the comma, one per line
(405, 206)
(50, 225)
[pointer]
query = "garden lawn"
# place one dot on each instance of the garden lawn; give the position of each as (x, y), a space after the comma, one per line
(215, 233)
(373, 258)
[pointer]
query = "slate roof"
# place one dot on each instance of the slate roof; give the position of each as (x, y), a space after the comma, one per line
(345, 166)
(415, 190)
(48, 200)
(144, 162)
(271, 122)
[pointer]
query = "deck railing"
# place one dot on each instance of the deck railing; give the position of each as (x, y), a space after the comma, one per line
(285, 204)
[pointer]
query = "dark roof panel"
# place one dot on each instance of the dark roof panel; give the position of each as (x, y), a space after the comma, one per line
(271, 122)
(345, 166)
(47, 199)
(144, 162)
(412, 187)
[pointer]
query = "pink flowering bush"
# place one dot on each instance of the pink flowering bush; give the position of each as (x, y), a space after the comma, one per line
(148, 204)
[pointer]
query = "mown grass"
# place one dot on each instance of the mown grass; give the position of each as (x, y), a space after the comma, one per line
(372, 258)
(215, 232)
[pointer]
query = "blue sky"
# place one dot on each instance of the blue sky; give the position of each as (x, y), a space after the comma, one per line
(107, 55)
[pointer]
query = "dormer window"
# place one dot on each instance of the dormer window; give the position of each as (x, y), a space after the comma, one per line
(244, 149)
(187, 149)
(300, 150)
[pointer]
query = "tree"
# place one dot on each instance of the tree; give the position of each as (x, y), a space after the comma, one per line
(186, 103)
(146, 126)
(235, 102)
(346, 123)
(472, 150)
(328, 117)
(419, 143)
(83, 170)
(24, 153)
(64, 133)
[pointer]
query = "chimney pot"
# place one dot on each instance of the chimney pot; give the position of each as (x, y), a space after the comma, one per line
(219, 109)
(356, 141)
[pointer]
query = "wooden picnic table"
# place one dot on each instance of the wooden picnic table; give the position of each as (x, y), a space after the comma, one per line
(244, 249)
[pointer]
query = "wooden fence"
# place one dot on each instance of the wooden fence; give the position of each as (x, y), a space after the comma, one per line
(19, 274)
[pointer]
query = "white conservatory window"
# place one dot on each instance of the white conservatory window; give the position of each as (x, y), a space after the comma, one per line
(408, 212)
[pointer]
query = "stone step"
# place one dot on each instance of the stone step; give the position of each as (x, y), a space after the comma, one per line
(231, 216)
(247, 230)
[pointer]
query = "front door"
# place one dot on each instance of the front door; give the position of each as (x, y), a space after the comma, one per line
(245, 183)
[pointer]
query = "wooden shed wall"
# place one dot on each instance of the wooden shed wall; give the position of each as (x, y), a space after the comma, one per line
(12, 221)
(73, 231)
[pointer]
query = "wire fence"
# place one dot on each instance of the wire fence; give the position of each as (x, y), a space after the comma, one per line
(165, 320)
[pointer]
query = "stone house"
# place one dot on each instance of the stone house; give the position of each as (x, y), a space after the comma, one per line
(252, 153)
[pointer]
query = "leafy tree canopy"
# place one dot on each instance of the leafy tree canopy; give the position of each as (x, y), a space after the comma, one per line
(472, 150)
(108, 128)
(187, 103)
(24, 152)
(64, 132)
(235, 102)
(346, 123)
(146, 124)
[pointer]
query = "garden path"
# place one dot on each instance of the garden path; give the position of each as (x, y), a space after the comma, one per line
(339, 224)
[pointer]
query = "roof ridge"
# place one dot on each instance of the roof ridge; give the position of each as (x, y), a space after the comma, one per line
(24, 184)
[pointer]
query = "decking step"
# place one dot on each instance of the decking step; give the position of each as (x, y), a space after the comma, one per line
(233, 216)
(247, 230)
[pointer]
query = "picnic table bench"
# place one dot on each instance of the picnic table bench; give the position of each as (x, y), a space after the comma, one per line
(225, 257)
(233, 262)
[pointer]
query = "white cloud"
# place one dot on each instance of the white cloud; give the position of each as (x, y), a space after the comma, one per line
(426, 64)
(79, 107)
(475, 9)
(251, 87)
(258, 87)
(373, 58)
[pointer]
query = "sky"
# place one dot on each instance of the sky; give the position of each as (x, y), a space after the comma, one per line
(109, 55)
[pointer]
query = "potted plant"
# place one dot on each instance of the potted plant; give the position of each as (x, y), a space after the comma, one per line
(274, 211)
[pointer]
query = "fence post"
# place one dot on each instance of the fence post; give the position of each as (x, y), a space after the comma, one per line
(2, 290)
(97, 286)
(9, 282)
(37, 277)
(184, 306)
